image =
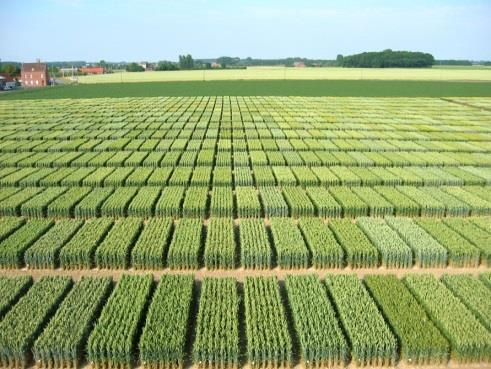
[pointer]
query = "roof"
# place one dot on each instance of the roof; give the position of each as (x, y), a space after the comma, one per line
(34, 67)
(6, 77)
(91, 68)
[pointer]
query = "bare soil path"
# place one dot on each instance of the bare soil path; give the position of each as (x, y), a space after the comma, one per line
(241, 273)
(400, 365)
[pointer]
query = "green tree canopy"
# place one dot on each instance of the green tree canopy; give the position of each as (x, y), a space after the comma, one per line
(133, 67)
(186, 61)
(389, 59)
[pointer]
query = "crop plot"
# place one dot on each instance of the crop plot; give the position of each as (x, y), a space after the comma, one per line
(270, 202)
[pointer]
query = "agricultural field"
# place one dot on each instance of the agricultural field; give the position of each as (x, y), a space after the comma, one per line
(260, 87)
(275, 73)
(310, 320)
(257, 183)
(223, 232)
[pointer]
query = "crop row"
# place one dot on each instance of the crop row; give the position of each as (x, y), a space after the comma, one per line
(270, 119)
(122, 134)
(222, 243)
(412, 114)
(246, 201)
(133, 135)
(279, 173)
(61, 344)
(266, 152)
(239, 139)
(380, 321)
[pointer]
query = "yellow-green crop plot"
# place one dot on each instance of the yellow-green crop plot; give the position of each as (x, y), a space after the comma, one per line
(280, 73)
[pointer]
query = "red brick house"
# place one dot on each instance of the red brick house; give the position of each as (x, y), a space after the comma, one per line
(34, 75)
(92, 70)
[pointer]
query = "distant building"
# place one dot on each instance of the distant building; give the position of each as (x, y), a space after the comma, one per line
(69, 70)
(34, 74)
(147, 66)
(92, 70)
(299, 64)
(6, 77)
(216, 65)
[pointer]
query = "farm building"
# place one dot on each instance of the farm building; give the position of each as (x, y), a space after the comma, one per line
(5, 79)
(147, 66)
(92, 70)
(69, 70)
(34, 74)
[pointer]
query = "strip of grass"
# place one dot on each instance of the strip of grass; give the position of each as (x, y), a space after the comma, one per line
(368, 88)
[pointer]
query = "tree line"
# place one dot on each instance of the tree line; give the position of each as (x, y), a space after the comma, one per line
(383, 59)
(10, 68)
(453, 62)
(227, 61)
(387, 59)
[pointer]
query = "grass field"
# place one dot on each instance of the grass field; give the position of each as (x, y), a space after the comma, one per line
(367, 88)
(244, 231)
(279, 73)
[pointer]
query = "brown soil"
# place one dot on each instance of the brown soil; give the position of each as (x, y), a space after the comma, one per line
(400, 365)
(451, 100)
(240, 273)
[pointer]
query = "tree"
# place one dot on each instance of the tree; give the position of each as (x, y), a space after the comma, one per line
(186, 62)
(10, 69)
(103, 64)
(133, 67)
(166, 65)
(224, 61)
(190, 61)
(389, 59)
(453, 62)
(339, 60)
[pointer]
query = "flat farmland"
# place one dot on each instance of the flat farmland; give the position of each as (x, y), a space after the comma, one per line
(301, 88)
(282, 73)
(237, 231)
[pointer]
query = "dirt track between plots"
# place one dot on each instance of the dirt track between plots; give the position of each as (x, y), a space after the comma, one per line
(400, 365)
(239, 274)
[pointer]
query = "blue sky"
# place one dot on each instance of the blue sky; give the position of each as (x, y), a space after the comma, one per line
(136, 30)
